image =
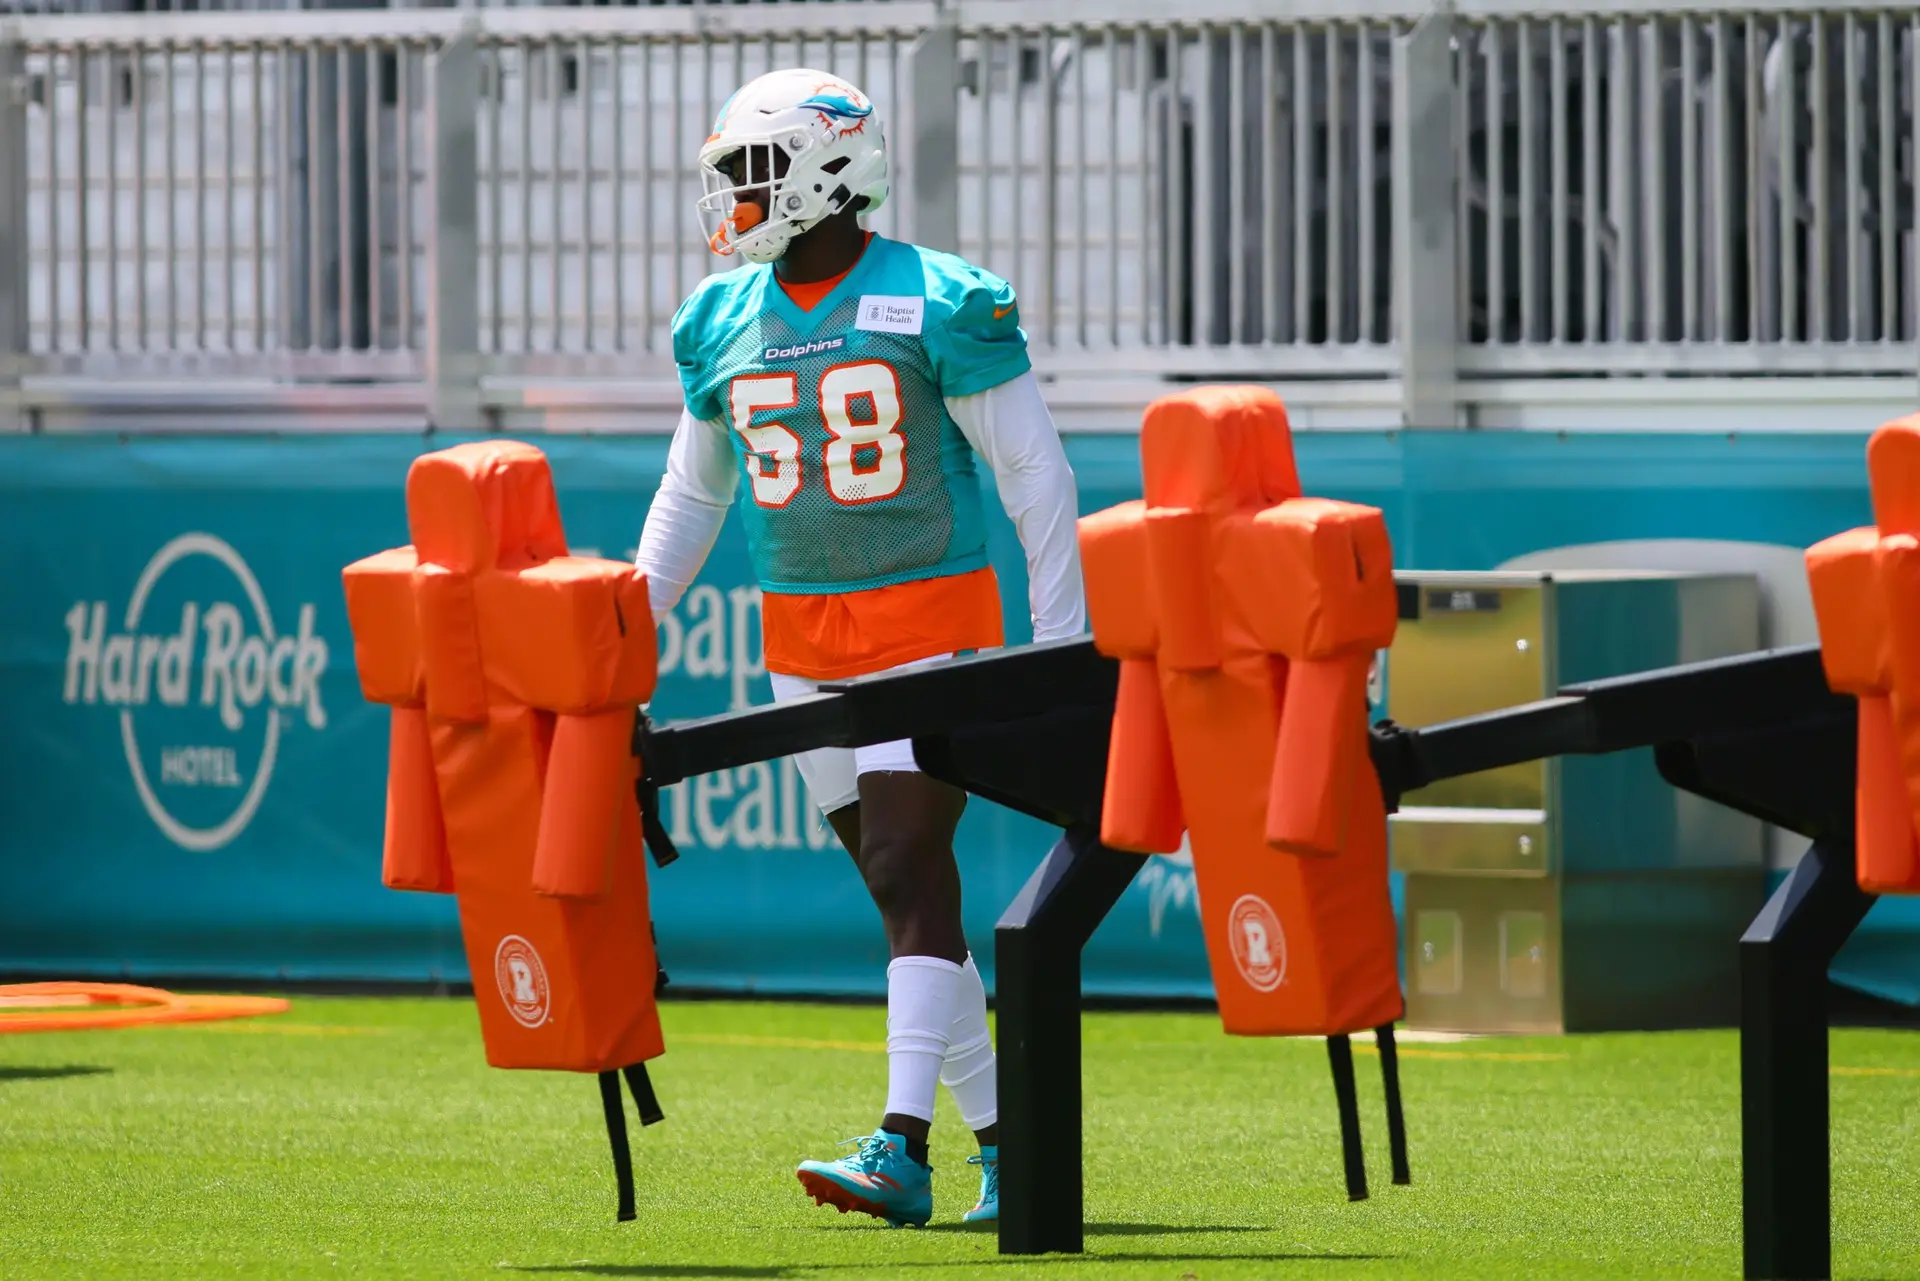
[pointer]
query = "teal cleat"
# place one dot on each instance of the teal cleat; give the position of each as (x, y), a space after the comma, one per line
(878, 1179)
(988, 1207)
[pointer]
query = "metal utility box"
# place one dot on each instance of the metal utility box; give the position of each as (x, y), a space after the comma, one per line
(1581, 893)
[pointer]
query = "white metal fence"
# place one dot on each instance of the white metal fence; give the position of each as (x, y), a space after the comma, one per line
(1250, 188)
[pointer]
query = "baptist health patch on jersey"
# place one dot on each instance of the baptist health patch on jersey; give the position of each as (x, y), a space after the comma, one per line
(890, 314)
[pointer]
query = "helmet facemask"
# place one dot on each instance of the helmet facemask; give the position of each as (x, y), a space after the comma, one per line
(748, 203)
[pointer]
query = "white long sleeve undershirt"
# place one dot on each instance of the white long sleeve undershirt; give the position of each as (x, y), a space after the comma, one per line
(1008, 426)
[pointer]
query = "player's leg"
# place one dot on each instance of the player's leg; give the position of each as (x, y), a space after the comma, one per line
(967, 1069)
(907, 821)
(901, 834)
(968, 1074)
(878, 1178)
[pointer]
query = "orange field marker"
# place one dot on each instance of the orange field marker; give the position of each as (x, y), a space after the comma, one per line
(74, 1007)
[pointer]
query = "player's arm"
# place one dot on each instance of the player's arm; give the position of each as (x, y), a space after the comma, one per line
(989, 388)
(687, 511)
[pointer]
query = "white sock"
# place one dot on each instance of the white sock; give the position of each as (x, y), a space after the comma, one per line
(967, 1071)
(922, 992)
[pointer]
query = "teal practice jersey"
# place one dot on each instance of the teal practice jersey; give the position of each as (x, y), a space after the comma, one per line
(854, 475)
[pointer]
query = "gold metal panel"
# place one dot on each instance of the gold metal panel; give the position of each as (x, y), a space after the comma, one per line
(1469, 842)
(1523, 954)
(1484, 954)
(1436, 961)
(1477, 646)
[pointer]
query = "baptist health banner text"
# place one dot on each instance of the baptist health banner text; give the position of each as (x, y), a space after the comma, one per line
(192, 785)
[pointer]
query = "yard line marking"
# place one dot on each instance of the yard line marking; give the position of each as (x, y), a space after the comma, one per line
(1515, 1057)
(1872, 1071)
(275, 1029)
(779, 1042)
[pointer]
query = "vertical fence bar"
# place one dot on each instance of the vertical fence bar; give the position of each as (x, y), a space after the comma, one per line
(50, 131)
(286, 288)
(523, 150)
(1272, 210)
(1204, 158)
(1689, 265)
(1049, 179)
(1653, 131)
(1079, 54)
(496, 182)
(1755, 185)
(1177, 233)
(1557, 239)
(1236, 184)
(1888, 197)
(14, 289)
(229, 234)
(315, 193)
(646, 231)
(140, 193)
(344, 55)
(1722, 327)
(933, 110)
(1143, 44)
(403, 197)
(172, 273)
(453, 251)
(1301, 101)
(1017, 160)
(199, 79)
(1425, 236)
(111, 105)
(556, 213)
(1820, 295)
(983, 91)
(1364, 131)
(583, 94)
(1464, 262)
(617, 176)
(1494, 131)
(1854, 234)
(1789, 216)
(82, 203)
(258, 196)
(1528, 213)
(1335, 285)
(1111, 45)
(675, 215)
(373, 69)
(1590, 288)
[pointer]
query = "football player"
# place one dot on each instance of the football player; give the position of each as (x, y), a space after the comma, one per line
(845, 381)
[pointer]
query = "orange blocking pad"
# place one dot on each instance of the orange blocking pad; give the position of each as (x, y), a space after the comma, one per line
(1244, 616)
(1866, 597)
(74, 1007)
(513, 671)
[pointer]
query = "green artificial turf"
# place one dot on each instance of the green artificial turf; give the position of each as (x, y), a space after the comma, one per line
(366, 1137)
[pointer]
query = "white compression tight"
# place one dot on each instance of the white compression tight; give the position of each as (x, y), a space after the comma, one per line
(937, 1032)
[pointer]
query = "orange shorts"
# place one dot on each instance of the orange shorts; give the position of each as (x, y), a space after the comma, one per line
(834, 637)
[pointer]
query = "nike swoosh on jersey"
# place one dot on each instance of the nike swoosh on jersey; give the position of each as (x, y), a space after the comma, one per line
(1002, 312)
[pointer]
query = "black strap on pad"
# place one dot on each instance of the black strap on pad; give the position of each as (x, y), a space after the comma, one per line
(614, 1106)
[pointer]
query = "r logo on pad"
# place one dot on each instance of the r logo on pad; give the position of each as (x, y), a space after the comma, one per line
(1259, 944)
(522, 979)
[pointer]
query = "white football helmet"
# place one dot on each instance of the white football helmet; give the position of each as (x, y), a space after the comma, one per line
(788, 150)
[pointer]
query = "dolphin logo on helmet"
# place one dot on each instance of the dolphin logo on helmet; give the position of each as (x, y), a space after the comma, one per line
(838, 106)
